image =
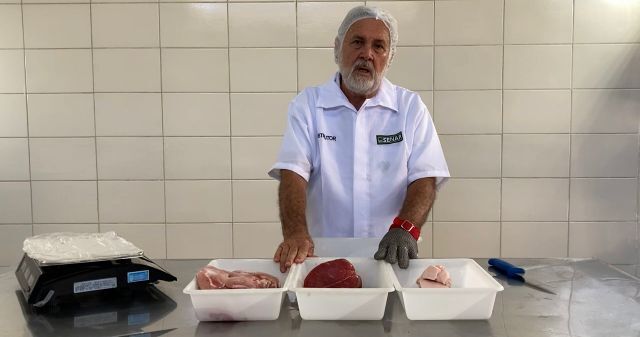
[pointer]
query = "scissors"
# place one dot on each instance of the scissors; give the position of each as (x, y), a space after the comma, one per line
(513, 272)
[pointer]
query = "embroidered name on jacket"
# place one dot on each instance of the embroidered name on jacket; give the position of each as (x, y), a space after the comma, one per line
(389, 139)
(326, 137)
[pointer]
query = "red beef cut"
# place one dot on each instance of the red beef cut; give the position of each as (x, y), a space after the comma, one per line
(338, 273)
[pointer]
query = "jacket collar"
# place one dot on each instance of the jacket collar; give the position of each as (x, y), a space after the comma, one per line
(331, 96)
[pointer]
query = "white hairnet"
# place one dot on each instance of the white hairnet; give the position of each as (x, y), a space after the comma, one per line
(364, 12)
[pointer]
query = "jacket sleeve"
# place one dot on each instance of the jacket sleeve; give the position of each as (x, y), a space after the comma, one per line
(296, 149)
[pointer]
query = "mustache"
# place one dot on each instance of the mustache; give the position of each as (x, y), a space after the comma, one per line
(363, 64)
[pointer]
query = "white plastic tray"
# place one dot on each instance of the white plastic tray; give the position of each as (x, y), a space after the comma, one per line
(239, 304)
(366, 303)
(471, 296)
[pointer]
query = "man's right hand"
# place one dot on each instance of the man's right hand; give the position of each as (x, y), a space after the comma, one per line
(295, 248)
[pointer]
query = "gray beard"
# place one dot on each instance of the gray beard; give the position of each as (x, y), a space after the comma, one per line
(360, 84)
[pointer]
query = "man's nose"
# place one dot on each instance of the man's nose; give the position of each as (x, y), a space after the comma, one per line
(367, 52)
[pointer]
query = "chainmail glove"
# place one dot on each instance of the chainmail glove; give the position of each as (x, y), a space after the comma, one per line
(397, 246)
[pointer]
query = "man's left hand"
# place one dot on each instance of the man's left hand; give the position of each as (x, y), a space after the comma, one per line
(397, 246)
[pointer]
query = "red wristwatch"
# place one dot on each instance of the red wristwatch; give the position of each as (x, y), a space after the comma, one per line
(407, 226)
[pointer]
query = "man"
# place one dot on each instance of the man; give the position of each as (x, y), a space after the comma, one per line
(359, 153)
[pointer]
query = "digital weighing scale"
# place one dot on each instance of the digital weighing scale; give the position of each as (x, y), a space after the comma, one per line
(43, 283)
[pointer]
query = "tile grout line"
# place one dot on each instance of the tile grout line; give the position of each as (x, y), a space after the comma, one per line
(95, 122)
(164, 145)
(266, 179)
(295, 92)
(504, 6)
(573, 32)
(633, 43)
(230, 124)
(433, 100)
(26, 106)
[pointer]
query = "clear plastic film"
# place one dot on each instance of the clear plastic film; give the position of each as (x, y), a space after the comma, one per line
(63, 247)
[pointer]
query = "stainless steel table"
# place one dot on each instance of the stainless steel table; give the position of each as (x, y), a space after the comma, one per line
(593, 299)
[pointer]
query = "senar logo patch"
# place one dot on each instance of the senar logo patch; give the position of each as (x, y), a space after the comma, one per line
(389, 139)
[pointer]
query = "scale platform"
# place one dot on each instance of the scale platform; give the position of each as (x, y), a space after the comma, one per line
(45, 283)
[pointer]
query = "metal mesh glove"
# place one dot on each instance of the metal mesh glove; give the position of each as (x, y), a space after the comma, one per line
(397, 246)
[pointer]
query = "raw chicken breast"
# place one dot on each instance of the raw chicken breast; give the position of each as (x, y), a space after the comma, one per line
(434, 277)
(210, 277)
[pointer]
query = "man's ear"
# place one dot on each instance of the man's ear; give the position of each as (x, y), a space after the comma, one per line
(336, 49)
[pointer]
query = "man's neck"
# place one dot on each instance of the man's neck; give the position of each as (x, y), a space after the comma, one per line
(355, 99)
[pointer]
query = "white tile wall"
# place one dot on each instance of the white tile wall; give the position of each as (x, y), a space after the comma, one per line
(130, 158)
(536, 155)
(193, 25)
(128, 114)
(534, 239)
(126, 70)
(472, 156)
(61, 115)
(248, 73)
(145, 236)
(537, 111)
(11, 26)
(468, 67)
(13, 115)
(255, 201)
(317, 22)
(197, 158)
(195, 70)
(468, 200)
(601, 155)
(63, 158)
(57, 26)
(189, 114)
(425, 247)
(253, 156)
(131, 201)
(11, 237)
(606, 66)
(262, 25)
(460, 239)
(527, 199)
(12, 68)
(125, 25)
(603, 199)
(198, 201)
(413, 68)
(64, 227)
(605, 111)
(195, 240)
(16, 202)
(14, 156)
(468, 112)
(159, 120)
(244, 244)
(270, 109)
(315, 65)
(64, 201)
(614, 242)
(468, 22)
(58, 70)
(537, 67)
(601, 21)
(415, 20)
(541, 21)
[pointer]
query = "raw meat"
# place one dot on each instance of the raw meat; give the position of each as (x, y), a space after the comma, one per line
(434, 277)
(338, 273)
(210, 277)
